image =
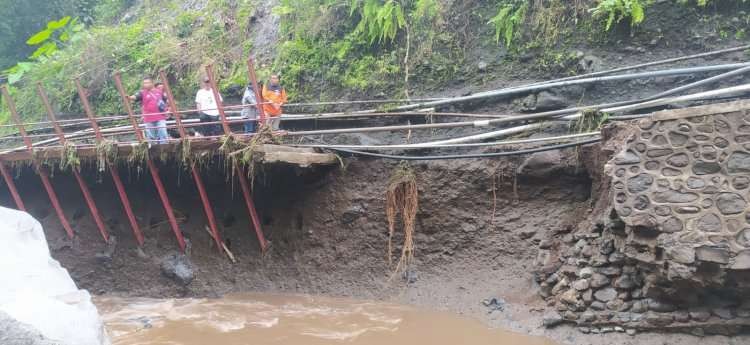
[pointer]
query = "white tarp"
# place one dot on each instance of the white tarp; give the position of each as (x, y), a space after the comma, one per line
(36, 290)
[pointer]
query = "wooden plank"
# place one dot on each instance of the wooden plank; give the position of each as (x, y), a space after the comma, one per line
(303, 157)
(702, 110)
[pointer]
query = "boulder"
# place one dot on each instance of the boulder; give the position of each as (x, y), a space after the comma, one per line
(552, 319)
(38, 292)
(178, 268)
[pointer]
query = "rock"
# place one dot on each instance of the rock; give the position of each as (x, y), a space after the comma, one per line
(552, 319)
(570, 316)
(730, 203)
(584, 330)
(638, 307)
(699, 315)
(545, 243)
(708, 223)
(178, 268)
(631, 332)
(639, 183)
(494, 304)
(598, 280)
(541, 164)
(560, 286)
(482, 66)
(546, 100)
(581, 284)
(742, 260)
(681, 254)
(587, 296)
(585, 272)
(352, 214)
(616, 258)
(596, 305)
(706, 168)
(625, 282)
(627, 157)
(661, 307)
(697, 331)
(527, 233)
(610, 271)
(658, 319)
(570, 297)
(589, 63)
(724, 313)
(712, 254)
(738, 162)
(605, 295)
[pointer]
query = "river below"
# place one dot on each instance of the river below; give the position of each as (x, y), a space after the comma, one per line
(290, 320)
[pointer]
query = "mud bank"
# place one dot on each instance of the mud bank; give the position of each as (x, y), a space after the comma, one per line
(479, 227)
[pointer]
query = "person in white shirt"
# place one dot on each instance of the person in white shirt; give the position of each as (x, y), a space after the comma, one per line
(207, 108)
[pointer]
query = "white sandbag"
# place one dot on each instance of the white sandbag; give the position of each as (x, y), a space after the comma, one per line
(36, 290)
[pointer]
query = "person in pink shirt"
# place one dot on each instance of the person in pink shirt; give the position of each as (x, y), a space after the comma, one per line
(153, 107)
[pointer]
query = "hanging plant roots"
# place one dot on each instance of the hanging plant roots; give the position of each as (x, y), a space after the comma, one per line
(402, 197)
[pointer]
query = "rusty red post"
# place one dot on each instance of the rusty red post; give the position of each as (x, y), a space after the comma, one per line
(196, 174)
(240, 172)
(217, 97)
(12, 187)
(151, 166)
(42, 174)
(258, 92)
(111, 165)
(245, 186)
(76, 173)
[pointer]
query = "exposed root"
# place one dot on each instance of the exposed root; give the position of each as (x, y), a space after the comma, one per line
(69, 157)
(106, 152)
(245, 156)
(402, 197)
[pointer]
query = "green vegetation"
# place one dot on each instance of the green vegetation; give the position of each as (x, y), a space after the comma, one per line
(325, 49)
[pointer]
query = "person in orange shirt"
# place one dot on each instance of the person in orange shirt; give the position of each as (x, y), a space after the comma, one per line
(274, 97)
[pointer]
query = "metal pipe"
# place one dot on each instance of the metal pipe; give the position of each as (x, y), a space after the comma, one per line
(474, 155)
(217, 97)
(152, 167)
(460, 145)
(42, 174)
(653, 63)
(12, 187)
(196, 174)
(77, 174)
(111, 165)
(539, 87)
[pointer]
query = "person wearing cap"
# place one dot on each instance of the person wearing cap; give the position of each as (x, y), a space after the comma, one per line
(208, 109)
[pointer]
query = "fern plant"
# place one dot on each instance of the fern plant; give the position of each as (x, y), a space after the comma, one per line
(616, 10)
(379, 20)
(508, 20)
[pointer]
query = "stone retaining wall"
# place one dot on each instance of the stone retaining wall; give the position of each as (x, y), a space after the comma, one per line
(670, 248)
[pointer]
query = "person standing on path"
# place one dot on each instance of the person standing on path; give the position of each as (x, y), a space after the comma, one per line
(207, 107)
(249, 109)
(151, 99)
(274, 97)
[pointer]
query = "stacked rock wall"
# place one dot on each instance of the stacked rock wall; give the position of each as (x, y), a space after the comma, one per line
(670, 248)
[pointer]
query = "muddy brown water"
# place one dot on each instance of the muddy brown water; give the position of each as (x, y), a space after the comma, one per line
(290, 320)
